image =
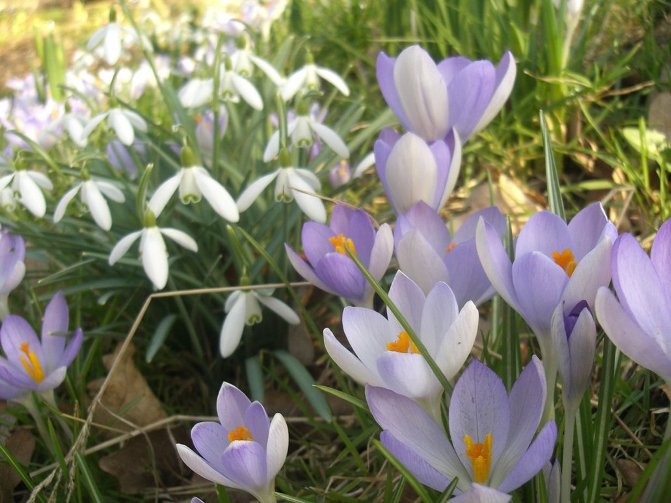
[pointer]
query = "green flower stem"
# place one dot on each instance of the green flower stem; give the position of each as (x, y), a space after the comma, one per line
(567, 453)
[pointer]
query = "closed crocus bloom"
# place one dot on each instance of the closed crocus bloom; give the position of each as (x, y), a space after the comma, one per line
(412, 170)
(384, 355)
(574, 342)
(36, 364)
(244, 450)
(457, 93)
(638, 321)
(427, 253)
(328, 264)
(492, 432)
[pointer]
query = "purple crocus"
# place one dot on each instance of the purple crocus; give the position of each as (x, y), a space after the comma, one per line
(36, 364)
(411, 170)
(492, 432)
(12, 268)
(328, 265)
(427, 252)
(244, 450)
(383, 353)
(638, 321)
(457, 93)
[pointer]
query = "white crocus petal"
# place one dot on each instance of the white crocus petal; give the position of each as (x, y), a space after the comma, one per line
(181, 238)
(154, 256)
(307, 201)
(251, 193)
(331, 138)
(277, 446)
(348, 362)
(121, 126)
(111, 191)
(31, 195)
(112, 43)
(248, 92)
(273, 147)
(196, 92)
(364, 164)
(268, 69)
(333, 78)
(215, 194)
(96, 204)
(280, 308)
(293, 83)
(63, 203)
(92, 124)
(40, 179)
(455, 167)
(409, 186)
(123, 246)
(458, 341)
(136, 120)
(164, 193)
(234, 324)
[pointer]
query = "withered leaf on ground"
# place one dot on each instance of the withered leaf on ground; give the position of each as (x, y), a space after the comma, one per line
(21, 444)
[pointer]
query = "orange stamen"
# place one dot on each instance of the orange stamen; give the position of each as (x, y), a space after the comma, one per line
(402, 344)
(31, 364)
(239, 433)
(341, 244)
(480, 456)
(451, 247)
(565, 260)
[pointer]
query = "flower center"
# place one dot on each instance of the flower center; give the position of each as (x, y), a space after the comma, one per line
(31, 363)
(402, 344)
(240, 433)
(565, 260)
(341, 244)
(451, 247)
(480, 456)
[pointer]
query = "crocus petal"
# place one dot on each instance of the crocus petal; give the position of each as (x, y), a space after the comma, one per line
(408, 374)
(505, 78)
(218, 197)
(458, 342)
(154, 256)
(385, 78)
(72, 348)
(305, 270)
(54, 326)
(245, 463)
(62, 205)
(368, 333)
(256, 420)
(280, 308)
(439, 312)
(417, 258)
(592, 272)
(481, 494)
(495, 262)
(278, 445)
(97, 205)
(54, 379)
(231, 330)
(409, 299)
(331, 138)
(16, 331)
(202, 468)
(333, 78)
(342, 275)
(382, 251)
(466, 276)
(231, 406)
(545, 232)
(122, 246)
(582, 345)
(181, 238)
(315, 238)
(349, 363)
(471, 90)
(660, 256)
(587, 229)
(121, 126)
(254, 190)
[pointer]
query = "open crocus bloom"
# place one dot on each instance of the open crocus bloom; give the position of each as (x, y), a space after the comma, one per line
(412, 170)
(491, 431)
(638, 321)
(32, 364)
(244, 450)
(427, 253)
(328, 265)
(554, 263)
(457, 93)
(383, 354)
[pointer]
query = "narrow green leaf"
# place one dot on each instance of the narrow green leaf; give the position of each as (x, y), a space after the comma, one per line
(447, 493)
(360, 404)
(414, 483)
(89, 480)
(254, 377)
(294, 499)
(23, 474)
(554, 189)
(159, 336)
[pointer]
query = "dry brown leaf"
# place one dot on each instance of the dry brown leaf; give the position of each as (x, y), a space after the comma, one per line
(630, 471)
(21, 444)
(659, 117)
(300, 345)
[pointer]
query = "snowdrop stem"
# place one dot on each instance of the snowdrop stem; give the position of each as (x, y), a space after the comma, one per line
(282, 121)
(215, 108)
(444, 382)
(567, 453)
(141, 197)
(30, 402)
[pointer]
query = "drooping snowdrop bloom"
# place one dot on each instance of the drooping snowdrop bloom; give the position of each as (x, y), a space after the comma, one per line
(153, 252)
(412, 170)
(291, 183)
(308, 78)
(36, 364)
(304, 130)
(458, 93)
(122, 121)
(111, 39)
(244, 61)
(28, 184)
(385, 356)
(638, 320)
(492, 432)
(92, 194)
(12, 267)
(427, 253)
(233, 86)
(243, 307)
(196, 92)
(244, 450)
(328, 265)
(194, 182)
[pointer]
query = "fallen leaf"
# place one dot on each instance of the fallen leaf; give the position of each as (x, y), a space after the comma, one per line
(21, 444)
(630, 471)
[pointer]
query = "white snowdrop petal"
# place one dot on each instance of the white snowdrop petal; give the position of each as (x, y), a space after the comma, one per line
(181, 238)
(63, 203)
(123, 246)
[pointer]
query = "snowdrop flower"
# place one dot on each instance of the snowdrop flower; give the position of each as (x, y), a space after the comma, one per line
(233, 86)
(384, 355)
(328, 265)
(244, 450)
(153, 252)
(411, 170)
(292, 183)
(123, 122)
(194, 182)
(91, 193)
(458, 93)
(308, 78)
(110, 38)
(36, 364)
(243, 61)
(243, 307)
(12, 267)
(144, 75)
(196, 93)
(27, 184)
(492, 432)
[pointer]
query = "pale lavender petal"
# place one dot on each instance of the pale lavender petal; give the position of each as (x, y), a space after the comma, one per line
(450, 67)
(368, 332)
(52, 380)
(582, 345)
(305, 270)
(586, 229)
(545, 232)
(210, 440)
(408, 374)
(481, 494)
(505, 79)
(202, 468)
(54, 326)
(425, 220)
(385, 79)
(341, 275)
(16, 331)
(420, 261)
(592, 272)
(256, 421)
(380, 255)
(278, 445)
(467, 277)
(349, 363)
(440, 311)
(458, 342)
(470, 92)
(660, 255)
(409, 299)
(231, 406)
(495, 262)
(245, 463)
(315, 239)
(443, 156)
(72, 348)
(360, 229)
(492, 215)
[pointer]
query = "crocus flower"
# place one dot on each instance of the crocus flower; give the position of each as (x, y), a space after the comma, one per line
(412, 170)
(481, 494)
(12, 267)
(36, 364)
(638, 321)
(27, 183)
(308, 78)
(492, 432)
(123, 122)
(92, 194)
(205, 131)
(383, 353)
(121, 158)
(244, 308)
(292, 183)
(244, 450)
(340, 174)
(328, 266)
(427, 253)
(457, 93)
